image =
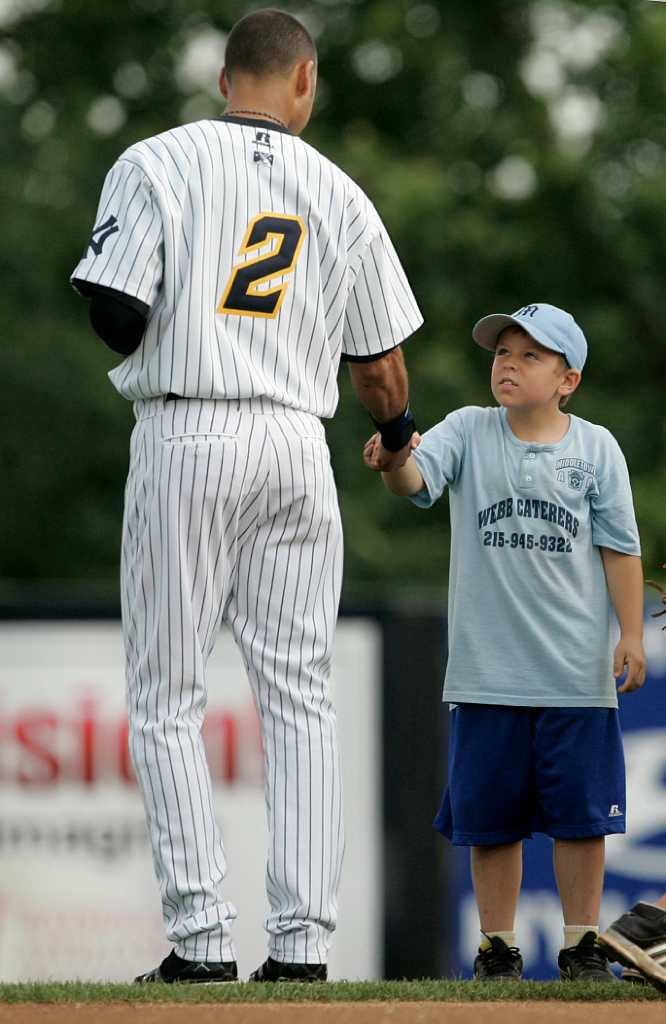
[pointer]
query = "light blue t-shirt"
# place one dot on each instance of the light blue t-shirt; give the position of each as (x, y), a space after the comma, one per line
(529, 609)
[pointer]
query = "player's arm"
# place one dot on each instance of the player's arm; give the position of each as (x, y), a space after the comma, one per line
(381, 386)
(624, 578)
(122, 265)
(381, 313)
(118, 319)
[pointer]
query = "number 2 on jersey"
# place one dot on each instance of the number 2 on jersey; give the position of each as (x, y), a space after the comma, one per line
(243, 295)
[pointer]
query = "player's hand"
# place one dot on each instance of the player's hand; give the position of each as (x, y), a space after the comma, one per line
(629, 656)
(377, 458)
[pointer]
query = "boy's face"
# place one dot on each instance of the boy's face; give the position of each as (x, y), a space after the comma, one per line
(525, 374)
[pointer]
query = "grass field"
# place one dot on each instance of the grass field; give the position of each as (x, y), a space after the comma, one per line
(364, 991)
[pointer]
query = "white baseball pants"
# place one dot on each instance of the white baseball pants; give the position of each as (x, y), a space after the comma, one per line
(231, 513)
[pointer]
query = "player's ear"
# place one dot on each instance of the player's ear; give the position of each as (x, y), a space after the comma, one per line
(224, 83)
(306, 78)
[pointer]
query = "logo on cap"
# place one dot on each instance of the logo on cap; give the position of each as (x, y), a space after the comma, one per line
(528, 311)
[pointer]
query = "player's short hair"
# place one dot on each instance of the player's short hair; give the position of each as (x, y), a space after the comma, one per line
(267, 42)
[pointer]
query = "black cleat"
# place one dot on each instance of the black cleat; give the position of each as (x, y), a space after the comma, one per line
(586, 961)
(637, 940)
(175, 970)
(498, 962)
(273, 970)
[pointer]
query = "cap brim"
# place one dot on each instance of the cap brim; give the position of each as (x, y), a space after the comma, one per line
(486, 331)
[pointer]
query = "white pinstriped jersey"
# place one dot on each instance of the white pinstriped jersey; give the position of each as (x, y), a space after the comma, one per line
(257, 261)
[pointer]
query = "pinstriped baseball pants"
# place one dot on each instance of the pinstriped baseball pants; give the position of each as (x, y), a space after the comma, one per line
(231, 513)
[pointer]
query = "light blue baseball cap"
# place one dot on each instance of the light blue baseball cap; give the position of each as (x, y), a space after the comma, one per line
(552, 327)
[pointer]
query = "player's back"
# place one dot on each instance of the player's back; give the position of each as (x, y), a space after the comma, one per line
(246, 249)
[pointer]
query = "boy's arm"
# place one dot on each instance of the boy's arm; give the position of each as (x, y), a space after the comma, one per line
(405, 479)
(624, 577)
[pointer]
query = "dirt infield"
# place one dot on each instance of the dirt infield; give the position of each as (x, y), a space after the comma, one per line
(333, 1013)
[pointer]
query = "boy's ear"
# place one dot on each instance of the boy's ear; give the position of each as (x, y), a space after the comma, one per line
(572, 379)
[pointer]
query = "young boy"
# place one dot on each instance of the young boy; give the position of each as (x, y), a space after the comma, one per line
(543, 534)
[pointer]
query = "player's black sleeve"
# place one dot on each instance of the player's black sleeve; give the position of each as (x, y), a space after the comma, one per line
(118, 319)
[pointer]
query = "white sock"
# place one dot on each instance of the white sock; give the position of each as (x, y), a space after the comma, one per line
(573, 933)
(508, 937)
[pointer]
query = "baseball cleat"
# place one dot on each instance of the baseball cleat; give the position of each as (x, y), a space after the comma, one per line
(496, 961)
(175, 970)
(586, 961)
(637, 940)
(633, 976)
(273, 970)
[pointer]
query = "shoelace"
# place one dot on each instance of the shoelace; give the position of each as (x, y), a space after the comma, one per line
(591, 956)
(498, 957)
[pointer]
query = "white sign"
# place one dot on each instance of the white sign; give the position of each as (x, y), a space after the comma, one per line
(78, 898)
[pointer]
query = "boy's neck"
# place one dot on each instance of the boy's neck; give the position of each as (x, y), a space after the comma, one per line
(540, 425)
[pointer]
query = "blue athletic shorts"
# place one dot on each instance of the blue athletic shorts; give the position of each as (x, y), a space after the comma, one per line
(514, 771)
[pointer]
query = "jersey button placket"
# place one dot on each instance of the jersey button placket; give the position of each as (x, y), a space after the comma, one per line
(527, 473)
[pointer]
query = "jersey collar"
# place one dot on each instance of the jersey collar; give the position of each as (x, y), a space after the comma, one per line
(537, 446)
(253, 122)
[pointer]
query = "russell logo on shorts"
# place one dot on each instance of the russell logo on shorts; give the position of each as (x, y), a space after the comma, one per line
(615, 811)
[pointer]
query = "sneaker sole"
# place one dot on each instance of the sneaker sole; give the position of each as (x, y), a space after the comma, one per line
(287, 981)
(498, 977)
(630, 955)
(188, 981)
(601, 980)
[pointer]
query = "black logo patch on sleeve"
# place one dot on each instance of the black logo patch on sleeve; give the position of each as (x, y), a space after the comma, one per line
(101, 233)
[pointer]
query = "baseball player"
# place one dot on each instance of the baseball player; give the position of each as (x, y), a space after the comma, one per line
(234, 266)
(637, 940)
(544, 539)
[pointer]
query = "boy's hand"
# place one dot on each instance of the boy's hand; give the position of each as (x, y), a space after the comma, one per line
(377, 458)
(629, 653)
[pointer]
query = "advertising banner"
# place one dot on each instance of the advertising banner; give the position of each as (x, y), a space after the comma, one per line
(635, 862)
(78, 897)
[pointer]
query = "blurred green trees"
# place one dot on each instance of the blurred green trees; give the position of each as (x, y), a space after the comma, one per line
(516, 151)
